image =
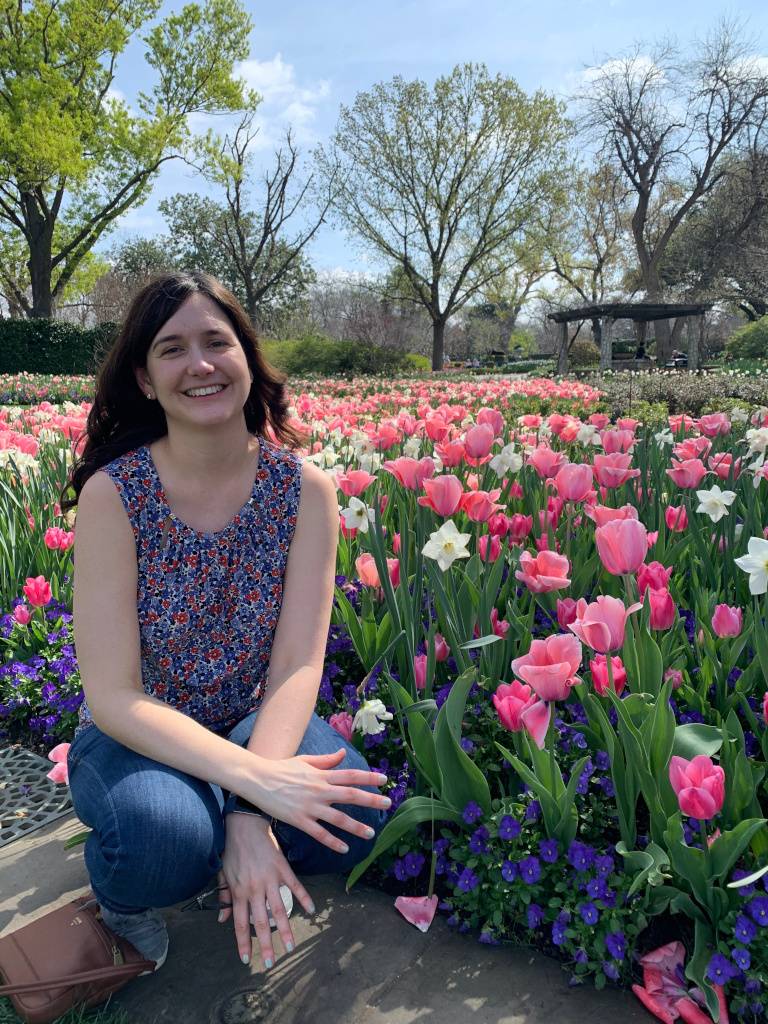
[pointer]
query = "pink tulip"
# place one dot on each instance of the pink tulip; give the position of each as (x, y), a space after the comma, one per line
(727, 621)
(547, 571)
(435, 427)
(663, 608)
(618, 441)
(627, 423)
(614, 470)
(510, 701)
(37, 591)
(721, 464)
(396, 543)
(655, 575)
(451, 453)
(546, 462)
(687, 474)
(601, 625)
(574, 481)
(499, 626)
(420, 671)
(699, 786)
(599, 668)
(479, 506)
(443, 494)
(411, 473)
(622, 545)
(676, 676)
(676, 518)
(478, 440)
(498, 524)
(680, 422)
(493, 418)
(417, 910)
(519, 528)
(59, 772)
(354, 482)
(515, 491)
(57, 539)
(442, 650)
(367, 571)
(342, 723)
(566, 612)
(765, 707)
(550, 666)
(599, 420)
(495, 548)
(714, 424)
(22, 614)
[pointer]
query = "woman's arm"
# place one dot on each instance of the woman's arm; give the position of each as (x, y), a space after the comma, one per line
(298, 649)
(298, 790)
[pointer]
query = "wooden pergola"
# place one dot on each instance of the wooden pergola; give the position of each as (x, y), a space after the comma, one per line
(607, 313)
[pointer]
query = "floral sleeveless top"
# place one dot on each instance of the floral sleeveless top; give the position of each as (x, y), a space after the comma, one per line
(208, 603)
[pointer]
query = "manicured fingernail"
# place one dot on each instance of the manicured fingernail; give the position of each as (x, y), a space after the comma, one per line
(312, 909)
(221, 916)
(370, 833)
(267, 963)
(386, 802)
(245, 958)
(289, 947)
(343, 848)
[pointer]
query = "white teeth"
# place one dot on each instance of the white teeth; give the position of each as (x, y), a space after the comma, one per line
(195, 392)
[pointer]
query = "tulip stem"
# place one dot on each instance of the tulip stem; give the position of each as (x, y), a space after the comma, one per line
(551, 738)
(609, 667)
(433, 863)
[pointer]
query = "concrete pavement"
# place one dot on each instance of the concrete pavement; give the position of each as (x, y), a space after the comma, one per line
(356, 962)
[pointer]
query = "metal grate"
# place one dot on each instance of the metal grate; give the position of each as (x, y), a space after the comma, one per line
(28, 800)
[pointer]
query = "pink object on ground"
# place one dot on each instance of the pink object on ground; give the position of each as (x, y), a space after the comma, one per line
(417, 910)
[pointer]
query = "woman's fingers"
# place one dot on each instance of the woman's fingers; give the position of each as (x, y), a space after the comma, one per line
(298, 889)
(355, 777)
(240, 912)
(280, 917)
(261, 924)
(225, 912)
(348, 824)
(324, 760)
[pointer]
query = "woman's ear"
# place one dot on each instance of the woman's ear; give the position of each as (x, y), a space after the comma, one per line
(142, 380)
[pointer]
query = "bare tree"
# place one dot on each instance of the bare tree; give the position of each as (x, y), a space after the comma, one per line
(669, 123)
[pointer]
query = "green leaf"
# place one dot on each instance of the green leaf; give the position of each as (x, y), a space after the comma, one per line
(408, 815)
(483, 641)
(728, 847)
(648, 865)
(694, 738)
(462, 779)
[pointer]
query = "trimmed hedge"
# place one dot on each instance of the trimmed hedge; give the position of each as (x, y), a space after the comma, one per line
(52, 346)
(324, 357)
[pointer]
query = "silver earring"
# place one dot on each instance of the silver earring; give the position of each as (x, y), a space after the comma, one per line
(150, 395)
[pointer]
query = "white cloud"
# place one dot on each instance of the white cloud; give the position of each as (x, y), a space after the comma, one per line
(285, 101)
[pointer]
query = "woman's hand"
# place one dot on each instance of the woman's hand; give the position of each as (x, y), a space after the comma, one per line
(301, 791)
(253, 869)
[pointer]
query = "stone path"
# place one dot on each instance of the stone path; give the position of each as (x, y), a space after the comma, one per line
(356, 962)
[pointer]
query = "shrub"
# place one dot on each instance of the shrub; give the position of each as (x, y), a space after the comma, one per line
(584, 352)
(51, 346)
(319, 356)
(749, 342)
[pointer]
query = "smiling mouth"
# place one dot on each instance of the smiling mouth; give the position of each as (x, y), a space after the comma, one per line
(206, 392)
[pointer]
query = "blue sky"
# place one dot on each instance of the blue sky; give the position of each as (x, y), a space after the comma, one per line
(307, 58)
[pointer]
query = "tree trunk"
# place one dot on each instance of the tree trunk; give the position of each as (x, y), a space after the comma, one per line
(606, 344)
(40, 240)
(597, 331)
(562, 355)
(438, 344)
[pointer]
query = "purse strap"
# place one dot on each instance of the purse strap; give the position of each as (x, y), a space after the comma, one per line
(95, 974)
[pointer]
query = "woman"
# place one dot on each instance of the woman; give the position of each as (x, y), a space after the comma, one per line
(204, 572)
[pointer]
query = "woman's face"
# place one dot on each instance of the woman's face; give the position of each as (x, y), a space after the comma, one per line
(197, 350)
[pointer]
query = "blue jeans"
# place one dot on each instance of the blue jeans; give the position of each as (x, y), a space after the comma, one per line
(158, 833)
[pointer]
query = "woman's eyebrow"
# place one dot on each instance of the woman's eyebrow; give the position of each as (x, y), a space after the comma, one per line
(178, 337)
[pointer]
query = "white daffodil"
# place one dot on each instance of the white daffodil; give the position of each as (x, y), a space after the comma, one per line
(507, 461)
(412, 447)
(446, 545)
(370, 717)
(588, 434)
(755, 562)
(739, 415)
(664, 437)
(357, 515)
(370, 461)
(715, 502)
(757, 439)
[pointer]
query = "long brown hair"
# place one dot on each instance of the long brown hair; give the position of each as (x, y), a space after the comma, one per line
(122, 419)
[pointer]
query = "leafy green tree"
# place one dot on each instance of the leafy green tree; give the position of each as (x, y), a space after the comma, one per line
(441, 182)
(73, 156)
(246, 240)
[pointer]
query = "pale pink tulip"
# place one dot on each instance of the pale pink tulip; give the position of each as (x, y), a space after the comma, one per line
(714, 424)
(663, 608)
(59, 773)
(479, 506)
(602, 514)
(493, 418)
(546, 572)
(654, 575)
(614, 470)
(417, 910)
(342, 723)
(676, 518)
(478, 440)
(566, 612)
(618, 441)
(550, 666)
(489, 555)
(367, 571)
(420, 671)
(545, 461)
(444, 494)
(354, 482)
(622, 545)
(411, 473)
(687, 474)
(22, 614)
(727, 620)
(599, 668)
(574, 481)
(510, 701)
(442, 650)
(519, 528)
(601, 625)
(699, 786)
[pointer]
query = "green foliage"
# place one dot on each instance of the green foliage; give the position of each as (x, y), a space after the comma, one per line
(584, 352)
(52, 346)
(749, 342)
(324, 357)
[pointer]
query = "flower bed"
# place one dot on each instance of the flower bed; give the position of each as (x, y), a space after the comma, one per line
(550, 632)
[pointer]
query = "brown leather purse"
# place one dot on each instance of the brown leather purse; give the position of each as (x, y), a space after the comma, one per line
(63, 959)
